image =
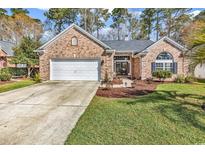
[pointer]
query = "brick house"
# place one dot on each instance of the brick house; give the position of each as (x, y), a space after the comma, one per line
(74, 54)
(6, 52)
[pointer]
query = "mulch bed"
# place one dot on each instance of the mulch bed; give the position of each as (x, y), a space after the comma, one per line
(140, 88)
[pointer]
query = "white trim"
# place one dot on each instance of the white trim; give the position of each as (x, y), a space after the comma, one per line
(168, 40)
(78, 28)
(164, 61)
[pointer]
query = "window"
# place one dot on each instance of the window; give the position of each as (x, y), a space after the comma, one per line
(159, 66)
(165, 61)
(164, 56)
(121, 57)
(74, 41)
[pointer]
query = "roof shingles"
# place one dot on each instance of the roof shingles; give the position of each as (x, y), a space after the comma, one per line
(135, 46)
(7, 47)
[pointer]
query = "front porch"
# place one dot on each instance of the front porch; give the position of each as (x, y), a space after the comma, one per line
(126, 66)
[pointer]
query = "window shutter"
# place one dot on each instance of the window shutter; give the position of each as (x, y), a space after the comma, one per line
(153, 66)
(175, 68)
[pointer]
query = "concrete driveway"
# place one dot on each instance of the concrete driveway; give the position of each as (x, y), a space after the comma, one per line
(43, 113)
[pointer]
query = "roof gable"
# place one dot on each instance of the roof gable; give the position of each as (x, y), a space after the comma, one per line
(169, 40)
(79, 29)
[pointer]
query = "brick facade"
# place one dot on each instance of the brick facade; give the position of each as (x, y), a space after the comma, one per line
(86, 49)
(61, 48)
(136, 68)
(155, 50)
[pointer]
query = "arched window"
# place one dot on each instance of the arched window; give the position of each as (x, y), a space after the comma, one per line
(74, 41)
(164, 56)
(164, 61)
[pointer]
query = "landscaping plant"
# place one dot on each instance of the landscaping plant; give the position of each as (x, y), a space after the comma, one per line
(180, 79)
(162, 75)
(37, 78)
(5, 75)
(189, 79)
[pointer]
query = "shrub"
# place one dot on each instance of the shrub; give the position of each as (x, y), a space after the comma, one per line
(180, 79)
(189, 79)
(161, 74)
(5, 75)
(37, 78)
(18, 71)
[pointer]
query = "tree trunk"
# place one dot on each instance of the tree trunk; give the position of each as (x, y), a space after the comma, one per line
(97, 33)
(157, 27)
(28, 72)
(85, 20)
(118, 32)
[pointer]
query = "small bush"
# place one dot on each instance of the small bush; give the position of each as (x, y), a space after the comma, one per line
(162, 75)
(5, 75)
(189, 79)
(37, 78)
(180, 79)
(18, 71)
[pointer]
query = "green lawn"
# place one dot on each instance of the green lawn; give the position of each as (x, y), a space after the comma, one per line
(171, 115)
(15, 85)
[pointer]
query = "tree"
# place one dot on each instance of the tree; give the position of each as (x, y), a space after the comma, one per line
(87, 19)
(22, 25)
(19, 11)
(24, 54)
(174, 20)
(194, 37)
(101, 16)
(158, 22)
(133, 25)
(4, 24)
(147, 18)
(119, 16)
(200, 16)
(2, 12)
(14, 27)
(61, 17)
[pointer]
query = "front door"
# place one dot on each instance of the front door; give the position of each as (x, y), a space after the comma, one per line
(122, 68)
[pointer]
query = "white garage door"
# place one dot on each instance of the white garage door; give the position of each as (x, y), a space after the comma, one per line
(74, 70)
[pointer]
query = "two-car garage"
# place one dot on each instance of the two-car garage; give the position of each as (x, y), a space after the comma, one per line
(75, 69)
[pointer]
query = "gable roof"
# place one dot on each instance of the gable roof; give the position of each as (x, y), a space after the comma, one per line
(7, 47)
(79, 29)
(135, 46)
(169, 40)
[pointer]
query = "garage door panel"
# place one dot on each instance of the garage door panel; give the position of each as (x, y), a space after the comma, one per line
(75, 70)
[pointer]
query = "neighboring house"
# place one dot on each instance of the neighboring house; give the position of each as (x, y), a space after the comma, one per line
(6, 52)
(74, 54)
(199, 71)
